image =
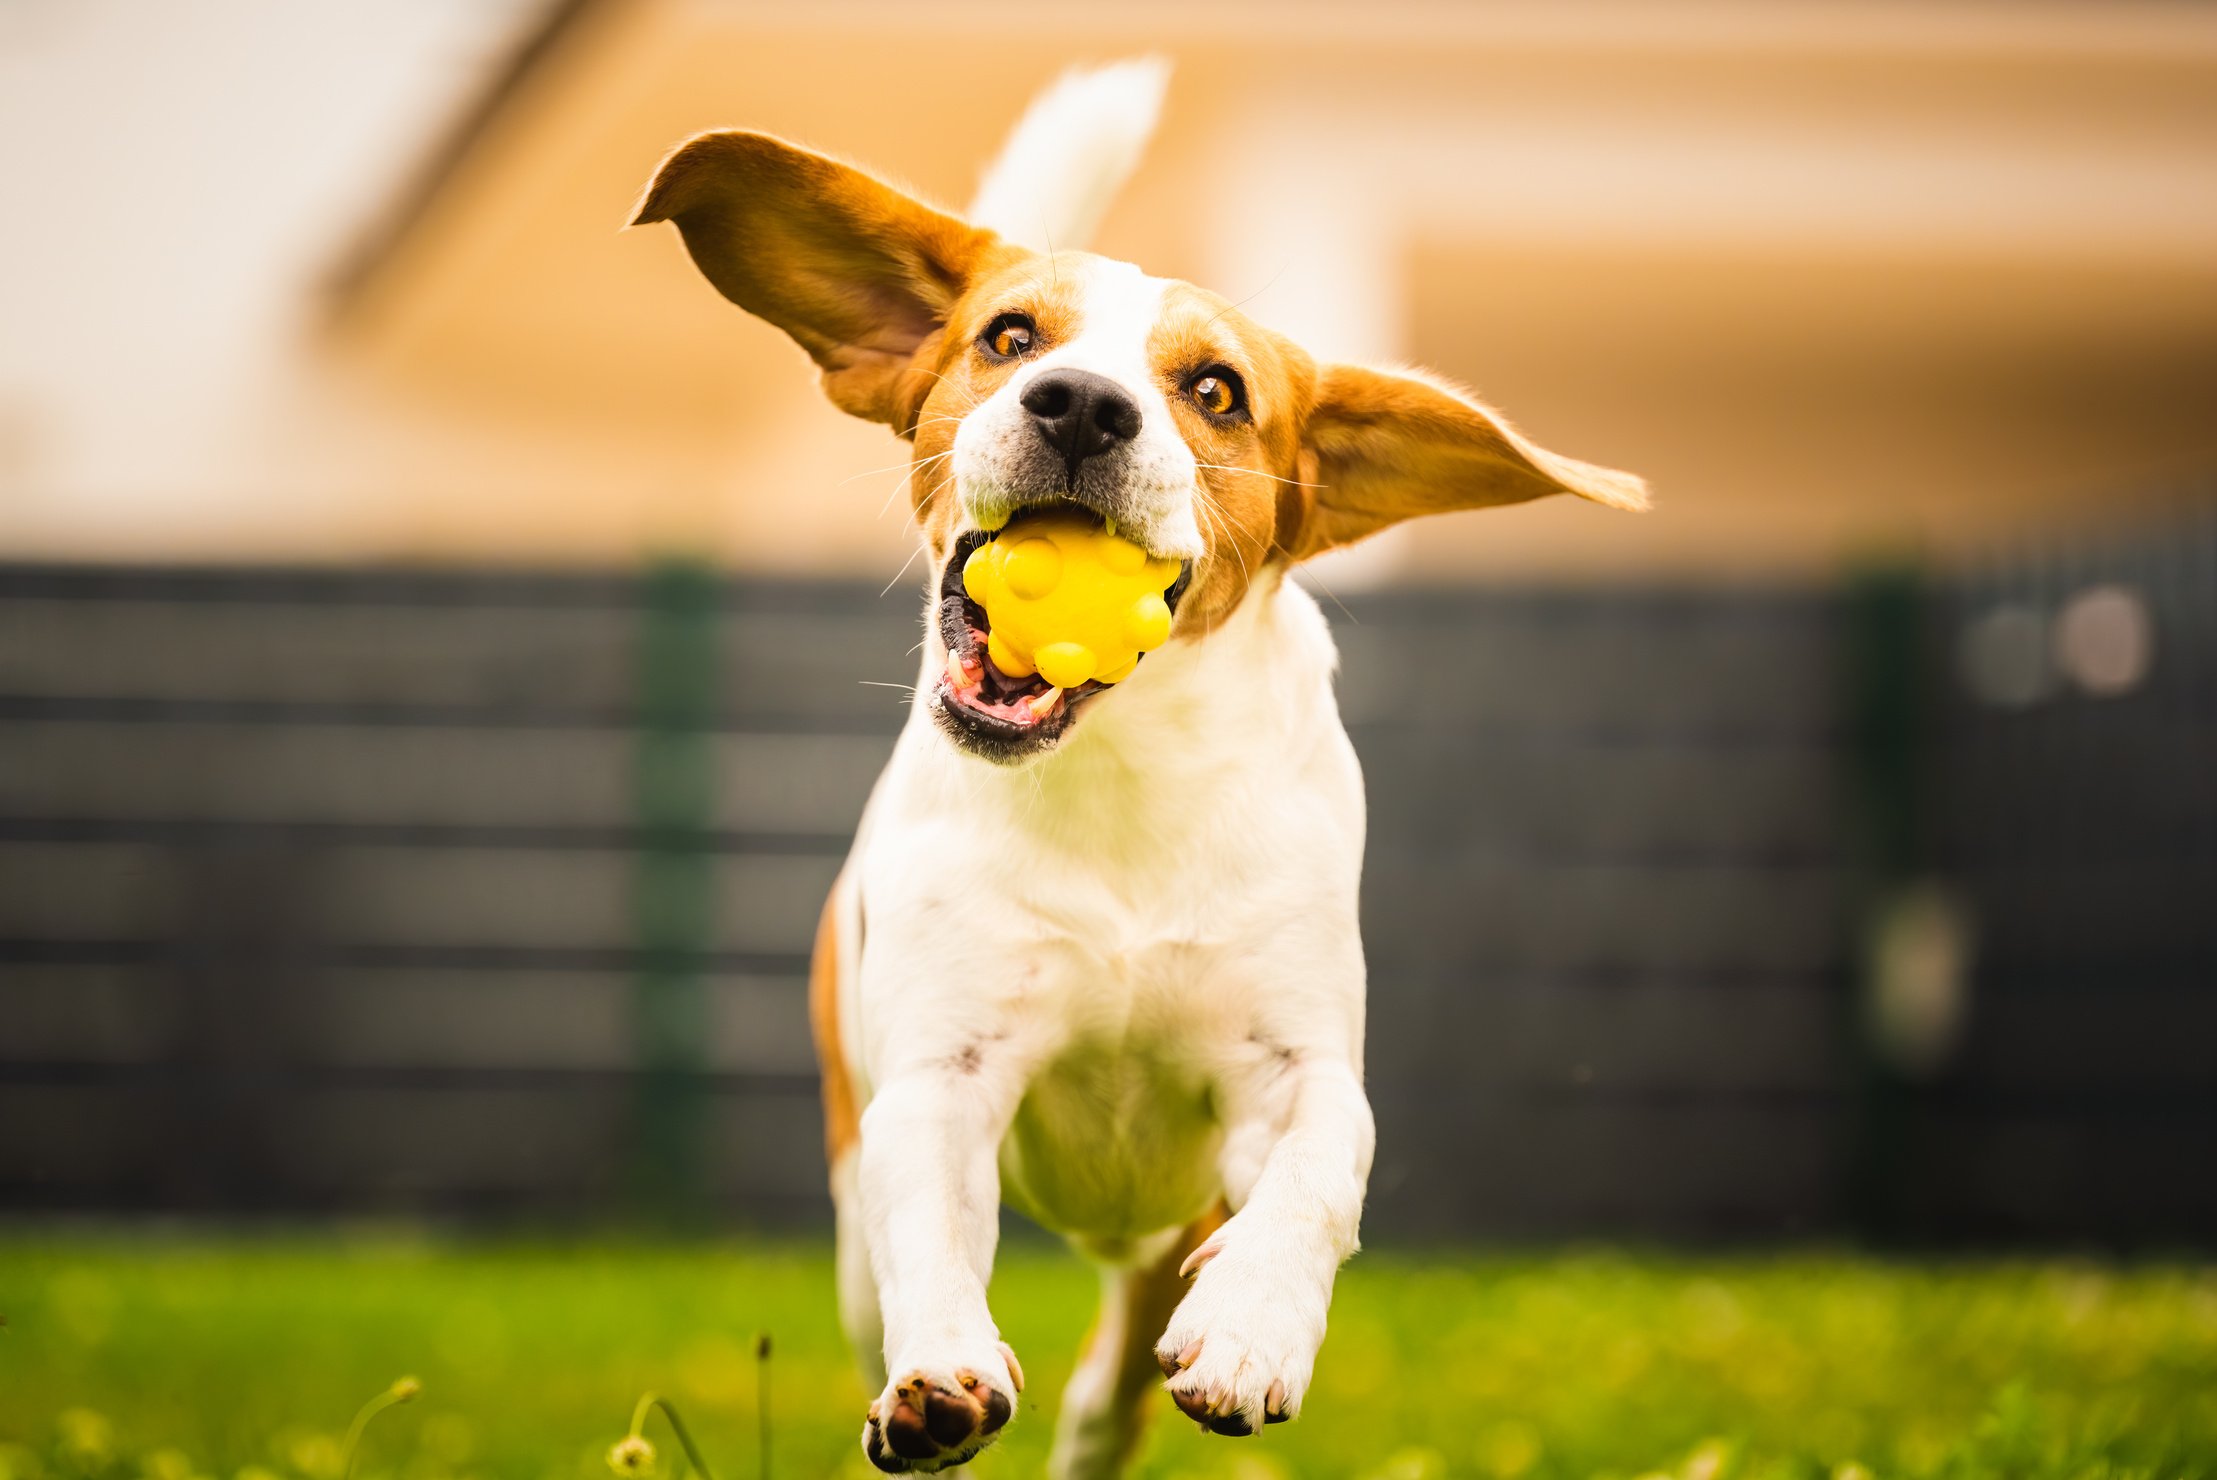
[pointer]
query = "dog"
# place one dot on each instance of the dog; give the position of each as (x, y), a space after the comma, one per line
(1095, 952)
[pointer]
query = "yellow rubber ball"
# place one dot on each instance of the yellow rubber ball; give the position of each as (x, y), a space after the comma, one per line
(1032, 568)
(1066, 664)
(1066, 599)
(1147, 624)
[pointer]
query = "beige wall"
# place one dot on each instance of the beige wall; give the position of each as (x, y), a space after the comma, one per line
(1833, 276)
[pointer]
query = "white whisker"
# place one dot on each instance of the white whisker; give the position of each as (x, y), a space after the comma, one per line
(889, 585)
(910, 464)
(923, 505)
(1343, 611)
(910, 478)
(1251, 297)
(1220, 524)
(1259, 473)
(971, 401)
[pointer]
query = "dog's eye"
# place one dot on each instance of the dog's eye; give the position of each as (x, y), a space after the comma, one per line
(1008, 337)
(1218, 392)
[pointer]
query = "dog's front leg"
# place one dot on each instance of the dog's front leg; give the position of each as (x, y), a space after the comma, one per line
(1241, 1346)
(930, 1192)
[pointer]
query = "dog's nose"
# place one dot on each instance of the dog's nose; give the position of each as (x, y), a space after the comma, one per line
(1081, 414)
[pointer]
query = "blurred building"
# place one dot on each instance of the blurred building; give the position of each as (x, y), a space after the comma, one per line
(410, 796)
(1832, 275)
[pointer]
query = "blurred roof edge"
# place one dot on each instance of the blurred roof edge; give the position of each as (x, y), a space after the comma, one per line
(545, 34)
(2145, 30)
(1833, 276)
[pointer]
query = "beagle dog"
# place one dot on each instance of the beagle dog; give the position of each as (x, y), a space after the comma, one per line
(1095, 952)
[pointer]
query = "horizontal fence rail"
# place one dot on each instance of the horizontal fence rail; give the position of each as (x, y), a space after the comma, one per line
(491, 894)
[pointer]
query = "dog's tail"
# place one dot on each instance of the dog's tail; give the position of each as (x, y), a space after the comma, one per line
(1073, 150)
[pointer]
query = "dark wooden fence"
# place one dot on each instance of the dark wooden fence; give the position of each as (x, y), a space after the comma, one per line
(1602, 910)
(2078, 828)
(472, 893)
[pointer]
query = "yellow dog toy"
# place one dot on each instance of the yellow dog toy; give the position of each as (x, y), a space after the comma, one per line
(1068, 600)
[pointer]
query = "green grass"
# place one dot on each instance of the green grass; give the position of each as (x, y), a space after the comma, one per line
(207, 1357)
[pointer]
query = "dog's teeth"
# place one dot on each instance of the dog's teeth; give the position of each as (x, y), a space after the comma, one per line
(958, 672)
(1044, 704)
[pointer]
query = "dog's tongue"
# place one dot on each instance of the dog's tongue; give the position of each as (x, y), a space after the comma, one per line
(976, 682)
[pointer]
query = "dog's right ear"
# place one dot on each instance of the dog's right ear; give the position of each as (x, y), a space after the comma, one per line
(859, 274)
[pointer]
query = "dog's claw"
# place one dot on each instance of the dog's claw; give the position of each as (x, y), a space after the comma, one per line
(1197, 1407)
(1173, 1365)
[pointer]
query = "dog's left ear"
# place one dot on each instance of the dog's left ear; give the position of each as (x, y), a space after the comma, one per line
(859, 274)
(1386, 447)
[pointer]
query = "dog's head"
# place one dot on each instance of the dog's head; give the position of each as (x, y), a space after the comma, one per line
(1025, 378)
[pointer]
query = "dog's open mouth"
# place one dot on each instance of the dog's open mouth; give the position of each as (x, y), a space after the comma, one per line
(996, 711)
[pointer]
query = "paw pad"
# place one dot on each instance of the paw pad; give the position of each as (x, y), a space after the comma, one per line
(922, 1424)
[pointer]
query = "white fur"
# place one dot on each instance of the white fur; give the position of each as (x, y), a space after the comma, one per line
(1073, 150)
(1119, 306)
(1113, 986)
(1122, 983)
(1125, 981)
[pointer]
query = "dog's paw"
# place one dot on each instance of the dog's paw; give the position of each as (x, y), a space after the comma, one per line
(934, 1416)
(1242, 1344)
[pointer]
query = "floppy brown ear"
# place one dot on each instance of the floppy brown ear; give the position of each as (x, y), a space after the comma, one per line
(1387, 447)
(858, 273)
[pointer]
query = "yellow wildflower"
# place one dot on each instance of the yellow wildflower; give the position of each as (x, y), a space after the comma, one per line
(631, 1455)
(167, 1464)
(87, 1439)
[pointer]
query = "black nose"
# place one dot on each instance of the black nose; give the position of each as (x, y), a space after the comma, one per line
(1081, 414)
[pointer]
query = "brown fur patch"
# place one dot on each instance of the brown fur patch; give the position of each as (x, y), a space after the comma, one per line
(858, 273)
(842, 1116)
(1147, 1300)
(1245, 464)
(1388, 447)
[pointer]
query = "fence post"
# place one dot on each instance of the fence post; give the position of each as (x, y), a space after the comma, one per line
(673, 895)
(1884, 729)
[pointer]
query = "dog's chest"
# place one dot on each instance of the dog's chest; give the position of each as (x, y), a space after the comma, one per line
(1118, 1132)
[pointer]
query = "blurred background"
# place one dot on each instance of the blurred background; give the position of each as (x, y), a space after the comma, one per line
(442, 643)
